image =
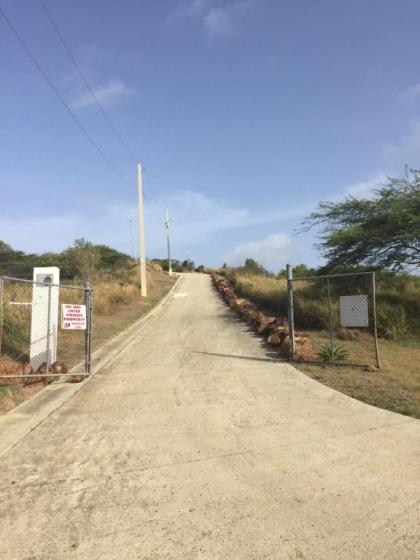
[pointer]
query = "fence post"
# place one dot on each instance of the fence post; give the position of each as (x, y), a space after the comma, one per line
(375, 328)
(88, 331)
(291, 316)
(48, 327)
(330, 322)
(1, 311)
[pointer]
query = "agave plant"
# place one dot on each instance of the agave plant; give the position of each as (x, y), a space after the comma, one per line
(334, 353)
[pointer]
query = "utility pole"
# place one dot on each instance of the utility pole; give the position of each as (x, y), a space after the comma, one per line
(142, 253)
(168, 240)
(130, 221)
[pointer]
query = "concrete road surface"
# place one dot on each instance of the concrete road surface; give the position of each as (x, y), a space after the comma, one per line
(195, 443)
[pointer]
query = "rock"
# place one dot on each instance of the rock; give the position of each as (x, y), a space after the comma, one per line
(77, 378)
(371, 368)
(303, 348)
(43, 371)
(274, 339)
(264, 323)
(59, 367)
(285, 347)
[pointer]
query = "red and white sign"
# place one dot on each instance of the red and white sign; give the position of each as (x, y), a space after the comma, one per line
(73, 316)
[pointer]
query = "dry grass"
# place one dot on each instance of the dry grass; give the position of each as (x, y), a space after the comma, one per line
(116, 306)
(107, 295)
(396, 386)
(267, 292)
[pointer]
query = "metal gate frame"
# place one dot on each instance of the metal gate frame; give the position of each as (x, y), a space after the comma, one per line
(88, 301)
(291, 320)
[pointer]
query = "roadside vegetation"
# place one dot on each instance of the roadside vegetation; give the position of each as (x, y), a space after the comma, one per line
(381, 234)
(396, 386)
(116, 302)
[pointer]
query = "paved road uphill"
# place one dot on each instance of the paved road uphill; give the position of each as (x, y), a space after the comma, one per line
(195, 443)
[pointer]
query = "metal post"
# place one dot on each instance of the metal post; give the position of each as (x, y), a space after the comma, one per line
(88, 331)
(168, 242)
(48, 327)
(291, 316)
(330, 322)
(142, 250)
(1, 311)
(375, 328)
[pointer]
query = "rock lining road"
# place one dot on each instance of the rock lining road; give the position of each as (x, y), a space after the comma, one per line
(196, 443)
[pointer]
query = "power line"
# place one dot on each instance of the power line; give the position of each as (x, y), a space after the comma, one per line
(62, 101)
(85, 81)
(147, 193)
(98, 104)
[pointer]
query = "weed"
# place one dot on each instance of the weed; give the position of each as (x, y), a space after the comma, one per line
(334, 353)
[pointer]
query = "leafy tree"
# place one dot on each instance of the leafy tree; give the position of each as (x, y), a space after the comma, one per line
(299, 271)
(110, 259)
(15, 263)
(188, 266)
(380, 232)
(252, 267)
(85, 258)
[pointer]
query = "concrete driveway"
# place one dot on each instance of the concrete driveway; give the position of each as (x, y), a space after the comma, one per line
(196, 444)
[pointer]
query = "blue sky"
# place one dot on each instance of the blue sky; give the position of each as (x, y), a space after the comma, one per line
(244, 113)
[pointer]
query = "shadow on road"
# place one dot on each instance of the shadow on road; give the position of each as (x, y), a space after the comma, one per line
(278, 360)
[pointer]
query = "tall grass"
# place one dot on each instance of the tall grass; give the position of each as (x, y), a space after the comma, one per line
(398, 300)
(267, 292)
(107, 295)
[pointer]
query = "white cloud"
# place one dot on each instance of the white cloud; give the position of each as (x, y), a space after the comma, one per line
(107, 94)
(366, 188)
(412, 92)
(216, 20)
(407, 150)
(193, 9)
(194, 217)
(272, 252)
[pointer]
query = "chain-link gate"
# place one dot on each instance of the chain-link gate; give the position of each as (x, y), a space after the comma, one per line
(45, 329)
(333, 319)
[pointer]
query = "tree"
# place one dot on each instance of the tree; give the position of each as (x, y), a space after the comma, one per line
(85, 257)
(380, 232)
(15, 263)
(252, 267)
(299, 271)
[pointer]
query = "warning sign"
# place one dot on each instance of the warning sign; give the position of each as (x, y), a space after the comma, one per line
(73, 316)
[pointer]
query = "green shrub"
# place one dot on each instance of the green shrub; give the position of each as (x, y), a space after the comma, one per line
(392, 320)
(334, 353)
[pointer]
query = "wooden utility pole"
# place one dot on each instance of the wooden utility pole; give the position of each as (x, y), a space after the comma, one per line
(168, 240)
(142, 252)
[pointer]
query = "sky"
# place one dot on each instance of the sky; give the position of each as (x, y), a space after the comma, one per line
(245, 115)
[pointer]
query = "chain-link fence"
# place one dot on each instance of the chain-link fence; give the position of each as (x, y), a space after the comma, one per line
(45, 329)
(333, 319)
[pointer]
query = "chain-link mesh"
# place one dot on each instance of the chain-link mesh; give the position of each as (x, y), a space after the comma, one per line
(334, 319)
(35, 338)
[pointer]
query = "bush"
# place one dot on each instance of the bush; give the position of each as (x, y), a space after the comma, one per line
(334, 353)
(392, 321)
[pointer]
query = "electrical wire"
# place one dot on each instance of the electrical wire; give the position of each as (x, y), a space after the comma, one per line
(85, 81)
(97, 102)
(62, 100)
